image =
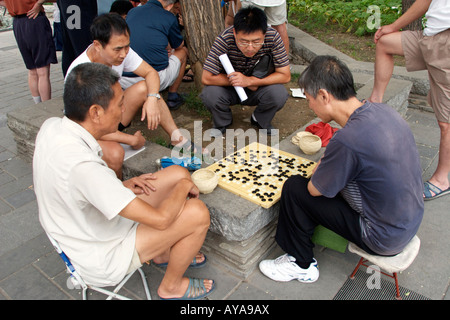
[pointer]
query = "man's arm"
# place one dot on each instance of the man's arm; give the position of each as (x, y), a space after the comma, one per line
(150, 108)
(280, 76)
(136, 141)
(417, 10)
(166, 213)
(311, 188)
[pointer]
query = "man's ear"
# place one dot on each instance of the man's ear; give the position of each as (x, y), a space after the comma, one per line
(324, 96)
(97, 45)
(96, 113)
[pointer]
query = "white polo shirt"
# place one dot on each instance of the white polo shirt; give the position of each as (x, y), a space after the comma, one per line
(79, 199)
(131, 62)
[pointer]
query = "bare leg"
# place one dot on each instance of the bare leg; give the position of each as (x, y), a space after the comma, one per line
(182, 55)
(182, 240)
(33, 81)
(282, 30)
(113, 155)
(134, 98)
(440, 176)
(44, 85)
(387, 46)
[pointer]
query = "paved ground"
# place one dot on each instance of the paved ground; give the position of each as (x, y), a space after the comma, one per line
(31, 270)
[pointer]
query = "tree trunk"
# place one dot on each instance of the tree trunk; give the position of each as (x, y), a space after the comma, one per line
(415, 25)
(203, 22)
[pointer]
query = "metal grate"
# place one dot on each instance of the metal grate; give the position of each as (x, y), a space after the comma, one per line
(357, 289)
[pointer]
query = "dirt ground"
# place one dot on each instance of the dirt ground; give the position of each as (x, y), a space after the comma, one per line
(293, 116)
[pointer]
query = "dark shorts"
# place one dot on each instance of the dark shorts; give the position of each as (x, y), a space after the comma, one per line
(34, 39)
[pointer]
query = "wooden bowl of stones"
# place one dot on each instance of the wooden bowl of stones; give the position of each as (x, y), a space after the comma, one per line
(310, 144)
(205, 180)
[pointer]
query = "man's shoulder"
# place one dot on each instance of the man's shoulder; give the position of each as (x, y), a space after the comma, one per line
(82, 58)
(149, 12)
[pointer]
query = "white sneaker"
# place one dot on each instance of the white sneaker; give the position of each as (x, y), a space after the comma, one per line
(285, 269)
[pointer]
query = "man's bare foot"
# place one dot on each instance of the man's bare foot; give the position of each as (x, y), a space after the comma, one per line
(162, 260)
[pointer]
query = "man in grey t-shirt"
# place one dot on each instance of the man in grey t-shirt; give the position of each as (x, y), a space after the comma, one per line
(366, 188)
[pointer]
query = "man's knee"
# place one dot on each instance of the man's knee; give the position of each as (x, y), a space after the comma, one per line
(198, 213)
(177, 172)
(114, 156)
(295, 186)
(212, 94)
(181, 54)
(274, 96)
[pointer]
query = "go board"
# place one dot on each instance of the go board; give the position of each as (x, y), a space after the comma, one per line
(257, 172)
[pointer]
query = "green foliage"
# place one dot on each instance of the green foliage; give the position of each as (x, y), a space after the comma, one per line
(347, 15)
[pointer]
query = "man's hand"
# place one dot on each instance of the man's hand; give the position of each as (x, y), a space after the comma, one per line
(34, 12)
(140, 185)
(194, 192)
(151, 110)
(139, 140)
(237, 79)
(384, 30)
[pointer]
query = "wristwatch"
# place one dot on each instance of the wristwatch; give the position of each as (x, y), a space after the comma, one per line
(154, 95)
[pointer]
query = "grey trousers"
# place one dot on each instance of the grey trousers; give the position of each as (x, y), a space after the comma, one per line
(267, 99)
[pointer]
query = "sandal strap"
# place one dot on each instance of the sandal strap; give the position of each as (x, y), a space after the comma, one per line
(195, 289)
(428, 186)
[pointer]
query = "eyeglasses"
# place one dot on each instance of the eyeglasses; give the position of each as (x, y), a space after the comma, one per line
(247, 43)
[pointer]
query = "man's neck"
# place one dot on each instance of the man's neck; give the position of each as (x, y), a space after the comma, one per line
(344, 109)
(94, 57)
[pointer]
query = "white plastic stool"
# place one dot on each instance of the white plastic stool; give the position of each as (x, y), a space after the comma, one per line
(392, 264)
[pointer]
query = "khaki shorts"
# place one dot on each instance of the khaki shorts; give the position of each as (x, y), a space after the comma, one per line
(166, 77)
(431, 53)
(135, 262)
(275, 15)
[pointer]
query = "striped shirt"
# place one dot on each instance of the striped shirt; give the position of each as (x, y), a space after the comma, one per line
(225, 43)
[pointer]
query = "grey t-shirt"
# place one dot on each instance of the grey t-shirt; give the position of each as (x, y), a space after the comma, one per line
(373, 161)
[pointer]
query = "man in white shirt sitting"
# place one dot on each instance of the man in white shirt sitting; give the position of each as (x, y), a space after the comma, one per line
(111, 47)
(107, 227)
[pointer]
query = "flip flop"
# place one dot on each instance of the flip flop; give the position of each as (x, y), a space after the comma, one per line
(196, 290)
(188, 78)
(438, 192)
(194, 264)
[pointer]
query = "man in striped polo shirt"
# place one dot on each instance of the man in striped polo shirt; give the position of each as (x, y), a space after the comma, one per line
(245, 43)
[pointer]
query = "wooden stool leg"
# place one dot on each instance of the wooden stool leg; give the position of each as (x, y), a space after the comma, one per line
(396, 287)
(352, 276)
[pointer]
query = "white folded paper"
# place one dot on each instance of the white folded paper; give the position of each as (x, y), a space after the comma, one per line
(129, 151)
(298, 93)
(229, 69)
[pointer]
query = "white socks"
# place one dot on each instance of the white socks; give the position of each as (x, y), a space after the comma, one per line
(37, 100)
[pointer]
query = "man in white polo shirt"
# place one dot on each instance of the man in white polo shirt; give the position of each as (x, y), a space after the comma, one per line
(111, 47)
(108, 227)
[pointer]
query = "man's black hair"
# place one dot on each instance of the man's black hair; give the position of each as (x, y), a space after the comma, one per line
(121, 7)
(105, 25)
(329, 73)
(249, 20)
(88, 84)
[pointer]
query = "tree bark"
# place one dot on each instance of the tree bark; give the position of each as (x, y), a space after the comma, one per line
(415, 25)
(203, 22)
